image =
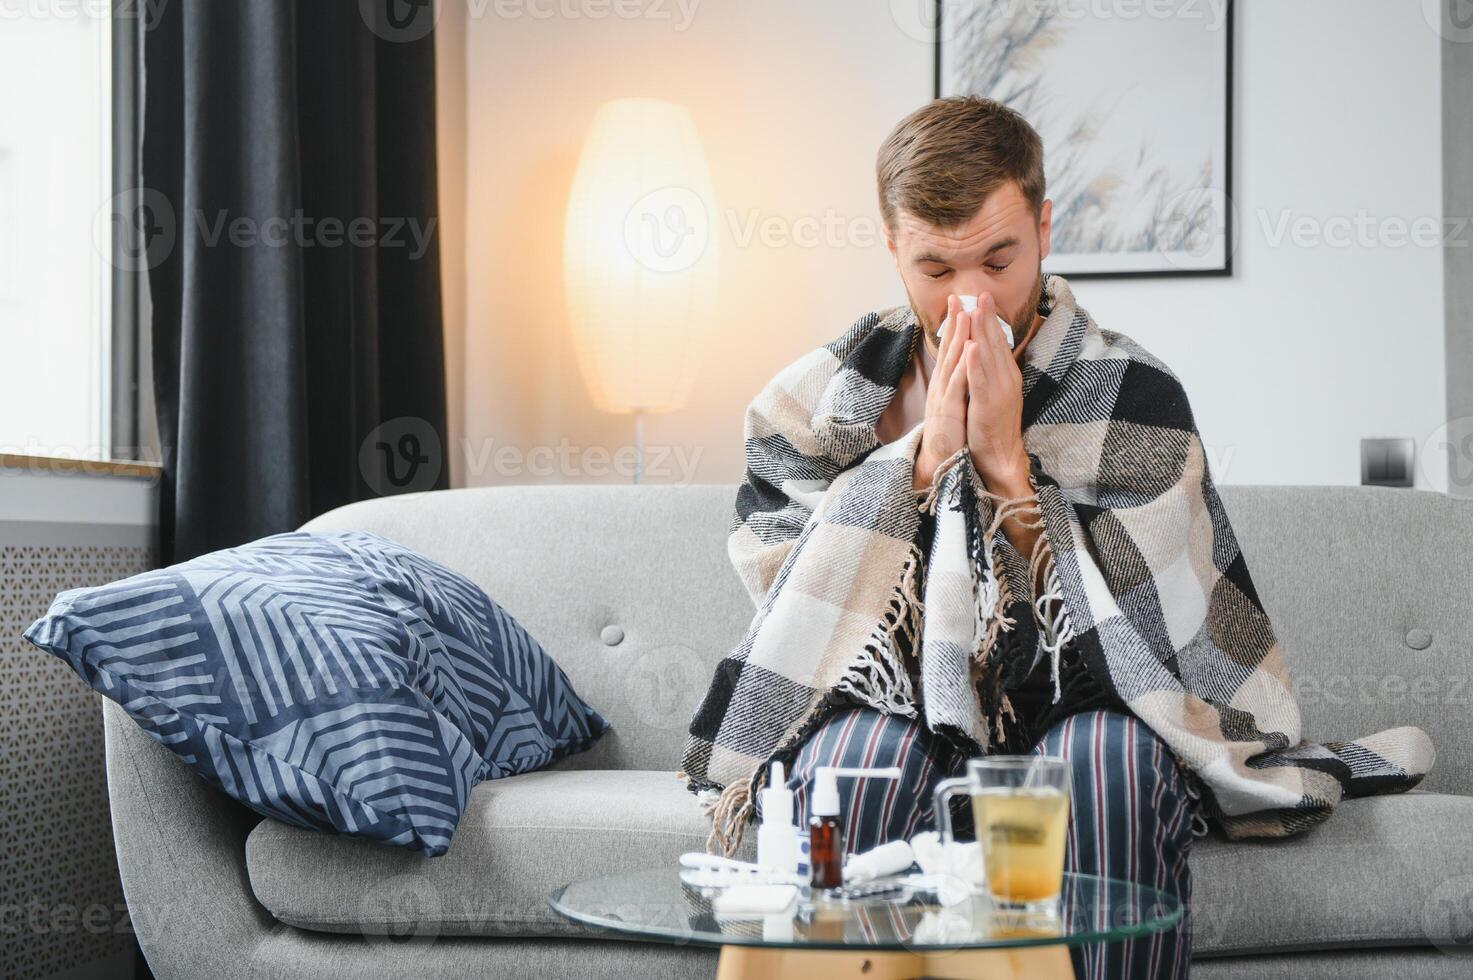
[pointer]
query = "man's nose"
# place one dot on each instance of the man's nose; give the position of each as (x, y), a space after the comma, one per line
(974, 288)
(977, 288)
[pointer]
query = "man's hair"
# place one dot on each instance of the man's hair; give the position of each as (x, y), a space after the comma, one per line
(943, 160)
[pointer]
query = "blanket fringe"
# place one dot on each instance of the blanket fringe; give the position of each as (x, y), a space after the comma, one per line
(1000, 593)
(928, 501)
(1052, 613)
(878, 675)
(729, 812)
(994, 724)
(991, 593)
(1048, 605)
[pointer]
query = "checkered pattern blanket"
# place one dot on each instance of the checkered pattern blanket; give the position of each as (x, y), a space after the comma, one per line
(1144, 579)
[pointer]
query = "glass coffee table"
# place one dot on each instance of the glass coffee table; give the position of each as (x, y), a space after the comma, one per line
(905, 934)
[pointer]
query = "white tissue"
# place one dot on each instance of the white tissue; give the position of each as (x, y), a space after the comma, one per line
(955, 868)
(887, 859)
(969, 305)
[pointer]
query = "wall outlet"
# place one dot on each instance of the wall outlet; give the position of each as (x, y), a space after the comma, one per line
(1386, 462)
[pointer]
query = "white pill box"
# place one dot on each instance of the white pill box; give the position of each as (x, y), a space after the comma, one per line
(969, 305)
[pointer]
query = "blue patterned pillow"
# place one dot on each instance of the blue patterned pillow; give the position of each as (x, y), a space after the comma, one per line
(333, 680)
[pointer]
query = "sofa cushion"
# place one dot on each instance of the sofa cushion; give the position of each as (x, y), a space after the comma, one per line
(334, 680)
(1381, 871)
(520, 838)
(1369, 875)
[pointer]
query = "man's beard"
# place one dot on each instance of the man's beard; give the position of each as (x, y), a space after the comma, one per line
(1021, 319)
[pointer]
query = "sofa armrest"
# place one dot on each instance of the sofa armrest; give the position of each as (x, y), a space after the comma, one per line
(181, 852)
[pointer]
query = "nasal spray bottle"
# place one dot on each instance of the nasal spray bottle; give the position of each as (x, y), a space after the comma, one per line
(825, 831)
(777, 838)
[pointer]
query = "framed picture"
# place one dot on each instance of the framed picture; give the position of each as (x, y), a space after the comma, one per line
(1134, 105)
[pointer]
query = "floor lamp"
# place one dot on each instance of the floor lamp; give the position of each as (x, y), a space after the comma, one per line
(640, 259)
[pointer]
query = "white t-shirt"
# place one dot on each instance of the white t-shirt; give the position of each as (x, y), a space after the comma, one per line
(908, 406)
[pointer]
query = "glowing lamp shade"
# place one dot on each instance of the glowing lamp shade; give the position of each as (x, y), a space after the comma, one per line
(640, 256)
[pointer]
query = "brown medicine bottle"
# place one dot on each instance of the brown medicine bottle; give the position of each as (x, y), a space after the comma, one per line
(825, 830)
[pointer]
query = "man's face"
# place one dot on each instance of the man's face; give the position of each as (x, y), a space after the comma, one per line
(999, 250)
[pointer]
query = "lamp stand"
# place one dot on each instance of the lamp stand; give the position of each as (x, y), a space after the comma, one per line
(638, 444)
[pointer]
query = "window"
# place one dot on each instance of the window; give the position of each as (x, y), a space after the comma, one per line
(57, 184)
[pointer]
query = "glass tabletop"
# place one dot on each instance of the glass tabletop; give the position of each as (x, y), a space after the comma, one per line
(656, 904)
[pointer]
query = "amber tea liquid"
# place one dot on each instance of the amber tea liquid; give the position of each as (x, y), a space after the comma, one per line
(1021, 831)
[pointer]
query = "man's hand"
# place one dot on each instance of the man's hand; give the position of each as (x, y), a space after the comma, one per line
(945, 428)
(975, 397)
(994, 404)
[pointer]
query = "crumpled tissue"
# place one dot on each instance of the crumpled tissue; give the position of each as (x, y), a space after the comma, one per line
(953, 868)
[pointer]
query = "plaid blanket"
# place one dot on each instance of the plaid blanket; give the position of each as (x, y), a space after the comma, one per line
(1144, 578)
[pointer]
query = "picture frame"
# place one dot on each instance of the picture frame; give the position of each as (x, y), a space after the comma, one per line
(1136, 117)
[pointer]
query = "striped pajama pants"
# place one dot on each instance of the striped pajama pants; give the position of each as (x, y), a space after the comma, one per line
(1131, 816)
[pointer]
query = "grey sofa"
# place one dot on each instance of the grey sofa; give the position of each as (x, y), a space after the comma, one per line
(629, 587)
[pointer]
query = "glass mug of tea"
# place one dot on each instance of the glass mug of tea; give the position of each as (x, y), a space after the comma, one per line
(1020, 805)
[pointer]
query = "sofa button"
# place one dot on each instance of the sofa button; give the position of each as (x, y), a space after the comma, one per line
(612, 635)
(1419, 639)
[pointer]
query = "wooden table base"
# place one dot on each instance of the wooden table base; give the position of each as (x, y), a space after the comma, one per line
(764, 963)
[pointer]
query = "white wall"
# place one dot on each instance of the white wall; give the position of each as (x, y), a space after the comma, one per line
(1307, 349)
(1288, 363)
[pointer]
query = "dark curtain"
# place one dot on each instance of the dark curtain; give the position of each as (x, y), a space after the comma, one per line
(289, 168)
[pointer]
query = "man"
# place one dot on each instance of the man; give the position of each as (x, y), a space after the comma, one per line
(962, 200)
(928, 590)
